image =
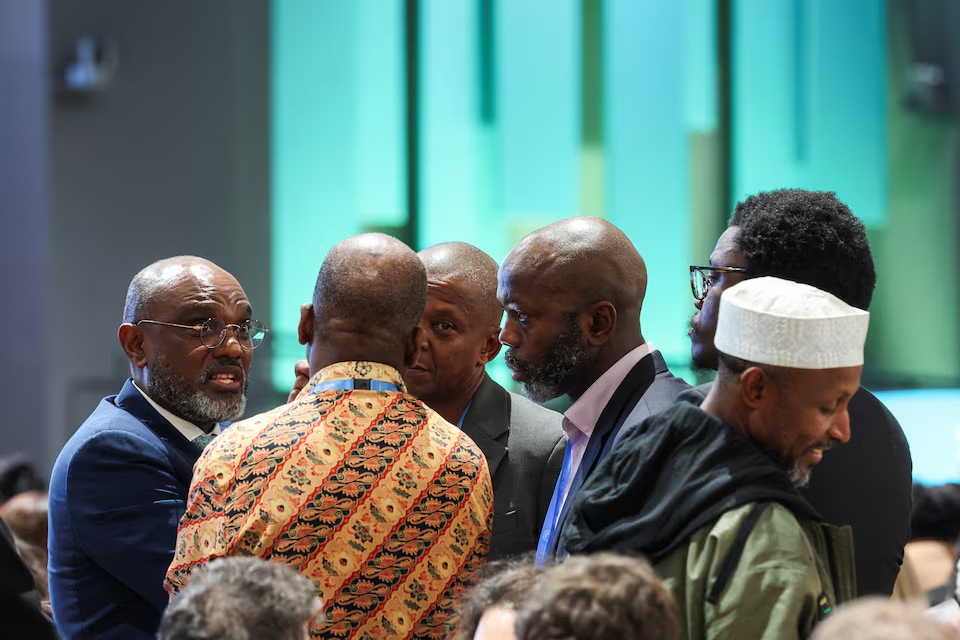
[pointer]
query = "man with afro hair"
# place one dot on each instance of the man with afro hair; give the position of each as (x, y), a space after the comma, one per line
(813, 238)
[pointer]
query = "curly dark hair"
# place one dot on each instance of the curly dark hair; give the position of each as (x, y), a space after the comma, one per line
(600, 597)
(505, 583)
(809, 237)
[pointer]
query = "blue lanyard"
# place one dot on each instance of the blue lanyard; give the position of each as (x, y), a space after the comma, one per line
(464, 416)
(359, 384)
(549, 530)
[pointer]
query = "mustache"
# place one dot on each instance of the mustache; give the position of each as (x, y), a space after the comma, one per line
(510, 358)
(207, 373)
(824, 445)
(695, 322)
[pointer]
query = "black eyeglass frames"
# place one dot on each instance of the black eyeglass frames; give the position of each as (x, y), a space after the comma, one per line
(702, 278)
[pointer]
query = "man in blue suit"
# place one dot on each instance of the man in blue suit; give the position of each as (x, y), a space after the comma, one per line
(119, 486)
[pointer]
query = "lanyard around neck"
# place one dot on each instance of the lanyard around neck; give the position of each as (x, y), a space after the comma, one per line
(358, 384)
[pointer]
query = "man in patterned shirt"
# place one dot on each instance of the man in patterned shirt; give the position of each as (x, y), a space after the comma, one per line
(372, 495)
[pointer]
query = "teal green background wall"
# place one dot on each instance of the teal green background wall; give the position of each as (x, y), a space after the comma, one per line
(913, 338)
(532, 111)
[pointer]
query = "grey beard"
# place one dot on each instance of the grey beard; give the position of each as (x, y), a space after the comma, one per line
(549, 378)
(191, 403)
(541, 391)
(798, 476)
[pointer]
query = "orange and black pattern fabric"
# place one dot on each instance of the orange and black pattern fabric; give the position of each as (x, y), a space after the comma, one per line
(372, 495)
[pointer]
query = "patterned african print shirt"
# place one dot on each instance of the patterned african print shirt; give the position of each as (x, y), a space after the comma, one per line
(371, 494)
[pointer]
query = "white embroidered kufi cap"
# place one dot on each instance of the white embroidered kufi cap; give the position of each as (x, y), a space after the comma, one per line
(787, 324)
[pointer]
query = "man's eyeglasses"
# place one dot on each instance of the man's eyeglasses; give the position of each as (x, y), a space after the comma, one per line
(250, 333)
(702, 278)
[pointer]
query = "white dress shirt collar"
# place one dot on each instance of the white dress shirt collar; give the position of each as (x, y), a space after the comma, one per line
(189, 430)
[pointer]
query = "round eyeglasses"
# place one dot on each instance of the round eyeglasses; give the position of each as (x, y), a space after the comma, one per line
(250, 333)
(702, 278)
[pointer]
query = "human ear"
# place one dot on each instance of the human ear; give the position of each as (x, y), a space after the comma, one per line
(490, 348)
(601, 318)
(756, 387)
(411, 350)
(131, 339)
(305, 327)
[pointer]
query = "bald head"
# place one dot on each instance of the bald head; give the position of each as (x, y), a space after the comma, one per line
(153, 284)
(166, 303)
(471, 270)
(587, 259)
(572, 292)
(371, 285)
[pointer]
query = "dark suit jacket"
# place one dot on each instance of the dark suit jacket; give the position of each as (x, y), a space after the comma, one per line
(523, 445)
(867, 485)
(22, 617)
(117, 493)
(648, 389)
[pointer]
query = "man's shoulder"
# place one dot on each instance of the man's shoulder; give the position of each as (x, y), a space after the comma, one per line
(289, 426)
(866, 408)
(110, 444)
(526, 420)
(525, 410)
(753, 557)
(665, 381)
(662, 393)
(766, 535)
(257, 423)
(106, 416)
(695, 395)
(770, 531)
(450, 447)
(449, 438)
(108, 427)
(532, 425)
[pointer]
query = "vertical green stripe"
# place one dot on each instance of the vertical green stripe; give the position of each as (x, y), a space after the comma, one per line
(592, 72)
(408, 233)
(487, 62)
(591, 90)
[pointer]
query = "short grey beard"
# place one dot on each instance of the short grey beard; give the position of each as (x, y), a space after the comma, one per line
(566, 357)
(540, 392)
(192, 404)
(798, 476)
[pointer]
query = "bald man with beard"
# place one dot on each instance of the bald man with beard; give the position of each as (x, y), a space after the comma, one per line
(522, 442)
(119, 485)
(360, 486)
(573, 292)
(520, 439)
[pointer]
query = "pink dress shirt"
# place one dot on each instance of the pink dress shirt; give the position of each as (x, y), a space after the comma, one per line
(581, 418)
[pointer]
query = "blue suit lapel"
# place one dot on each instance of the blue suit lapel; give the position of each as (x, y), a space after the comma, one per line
(183, 453)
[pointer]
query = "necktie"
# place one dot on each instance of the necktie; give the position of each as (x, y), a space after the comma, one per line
(201, 442)
(550, 522)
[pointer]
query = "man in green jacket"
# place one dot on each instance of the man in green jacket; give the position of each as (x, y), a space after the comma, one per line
(710, 495)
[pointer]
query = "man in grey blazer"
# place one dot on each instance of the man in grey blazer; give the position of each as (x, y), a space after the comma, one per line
(521, 440)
